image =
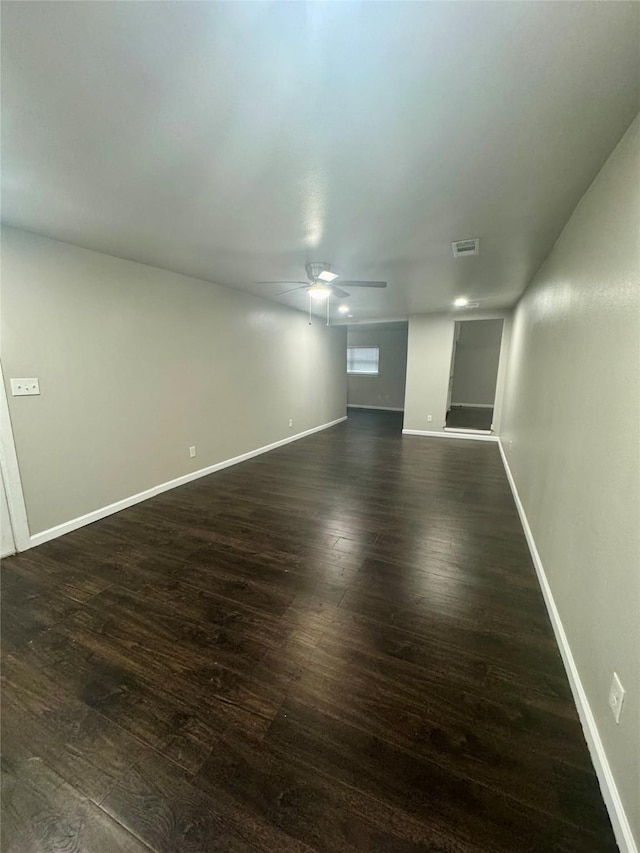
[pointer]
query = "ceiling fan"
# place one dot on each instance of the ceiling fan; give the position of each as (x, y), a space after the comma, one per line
(320, 282)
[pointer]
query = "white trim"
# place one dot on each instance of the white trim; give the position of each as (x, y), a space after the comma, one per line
(468, 429)
(472, 405)
(11, 475)
(619, 820)
(97, 514)
(473, 435)
(377, 408)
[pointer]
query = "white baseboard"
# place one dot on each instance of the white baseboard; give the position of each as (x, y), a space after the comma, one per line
(473, 436)
(97, 514)
(472, 405)
(377, 408)
(468, 429)
(619, 821)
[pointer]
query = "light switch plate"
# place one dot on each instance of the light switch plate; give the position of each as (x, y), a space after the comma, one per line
(25, 387)
(616, 697)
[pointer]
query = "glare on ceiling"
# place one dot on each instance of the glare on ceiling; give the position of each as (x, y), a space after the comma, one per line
(461, 301)
(343, 309)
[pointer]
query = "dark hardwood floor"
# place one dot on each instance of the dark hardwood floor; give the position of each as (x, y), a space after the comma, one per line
(337, 646)
(469, 417)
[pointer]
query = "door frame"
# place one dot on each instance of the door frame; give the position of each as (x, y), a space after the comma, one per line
(457, 329)
(456, 335)
(11, 475)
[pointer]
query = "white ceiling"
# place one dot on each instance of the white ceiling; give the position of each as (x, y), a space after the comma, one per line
(235, 141)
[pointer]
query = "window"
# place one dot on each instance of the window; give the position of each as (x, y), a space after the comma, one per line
(363, 360)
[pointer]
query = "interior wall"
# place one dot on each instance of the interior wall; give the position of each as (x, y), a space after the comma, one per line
(136, 364)
(429, 352)
(477, 357)
(385, 391)
(571, 431)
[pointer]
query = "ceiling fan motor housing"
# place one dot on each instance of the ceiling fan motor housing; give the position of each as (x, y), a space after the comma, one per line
(314, 268)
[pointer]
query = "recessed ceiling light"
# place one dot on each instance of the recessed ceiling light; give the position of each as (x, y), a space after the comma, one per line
(349, 316)
(326, 275)
(461, 301)
(319, 291)
(343, 309)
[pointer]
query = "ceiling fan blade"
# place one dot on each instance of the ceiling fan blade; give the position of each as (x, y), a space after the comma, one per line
(293, 289)
(364, 283)
(305, 283)
(337, 291)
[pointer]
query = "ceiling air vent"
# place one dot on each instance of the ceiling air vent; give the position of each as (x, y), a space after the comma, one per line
(462, 248)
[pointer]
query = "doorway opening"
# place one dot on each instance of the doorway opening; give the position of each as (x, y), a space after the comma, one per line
(376, 371)
(474, 375)
(14, 528)
(7, 540)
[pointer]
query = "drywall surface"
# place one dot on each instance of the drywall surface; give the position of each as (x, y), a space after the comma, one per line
(476, 363)
(429, 363)
(571, 431)
(137, 364)
(387, 389)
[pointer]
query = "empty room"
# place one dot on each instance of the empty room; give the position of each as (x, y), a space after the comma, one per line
(320, 427)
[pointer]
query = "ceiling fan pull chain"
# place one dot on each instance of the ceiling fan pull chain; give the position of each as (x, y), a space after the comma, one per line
(309, 312)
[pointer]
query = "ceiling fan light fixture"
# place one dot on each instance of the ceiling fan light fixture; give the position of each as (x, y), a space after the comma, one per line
(461, 301)
(319, 292)
(328, 276)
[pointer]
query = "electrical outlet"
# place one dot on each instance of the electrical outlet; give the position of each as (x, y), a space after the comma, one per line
(429, 418)
(24, 387)
(192, 451)
(290, 422)
(616, 697)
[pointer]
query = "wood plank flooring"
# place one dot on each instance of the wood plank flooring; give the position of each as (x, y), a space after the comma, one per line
(469, 417)
(337, 646)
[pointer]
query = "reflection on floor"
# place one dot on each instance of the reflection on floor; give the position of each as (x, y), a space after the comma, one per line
(338, 646)
(469, 417)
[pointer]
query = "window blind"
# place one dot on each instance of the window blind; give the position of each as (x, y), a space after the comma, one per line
(363, 360)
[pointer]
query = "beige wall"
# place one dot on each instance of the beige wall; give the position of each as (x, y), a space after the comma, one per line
(136, 364)
(477, 356)
(387, 389)
(429, 363)
(571, 430)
